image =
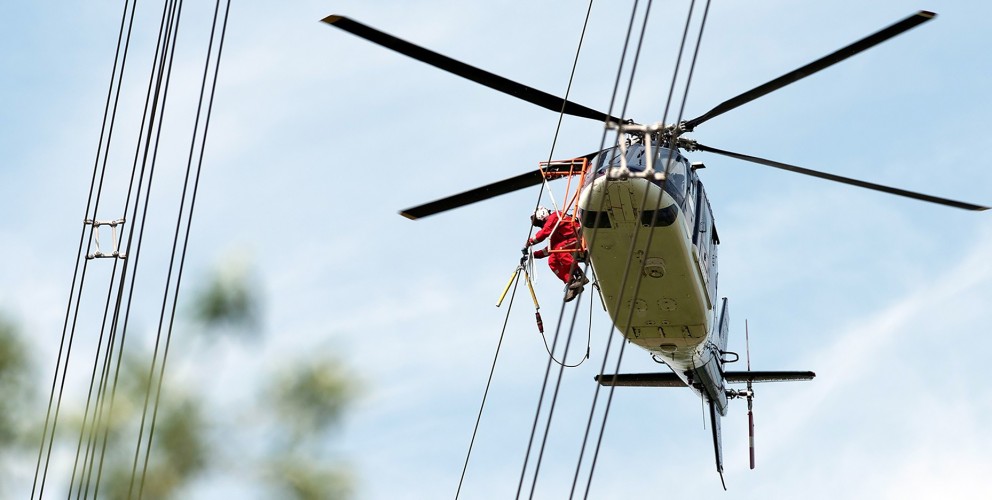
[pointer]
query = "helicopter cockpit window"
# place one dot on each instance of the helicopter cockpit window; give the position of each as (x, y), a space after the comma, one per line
(612, 158)
(677, 169)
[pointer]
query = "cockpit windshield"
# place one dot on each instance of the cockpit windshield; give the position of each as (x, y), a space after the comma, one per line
(671, 161)
(675, 166)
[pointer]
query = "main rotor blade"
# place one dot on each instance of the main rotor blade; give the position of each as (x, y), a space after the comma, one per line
(843, 180)
(485, 192)
(824, 62)
(491, 80)
(478, 194)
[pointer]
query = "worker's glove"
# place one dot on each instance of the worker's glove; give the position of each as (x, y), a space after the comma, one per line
(524, 251)
(523, 260)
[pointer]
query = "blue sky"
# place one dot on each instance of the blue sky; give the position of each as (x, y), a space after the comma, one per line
(319, 138)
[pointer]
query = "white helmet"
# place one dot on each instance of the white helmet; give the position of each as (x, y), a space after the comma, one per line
(541, 214)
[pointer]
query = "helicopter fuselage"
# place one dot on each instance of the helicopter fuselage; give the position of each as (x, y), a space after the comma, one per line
(653, 247)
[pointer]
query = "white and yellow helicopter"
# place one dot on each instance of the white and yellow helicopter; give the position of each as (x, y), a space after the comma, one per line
(648, 229)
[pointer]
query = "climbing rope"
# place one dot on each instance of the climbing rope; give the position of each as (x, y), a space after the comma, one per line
(515, 280)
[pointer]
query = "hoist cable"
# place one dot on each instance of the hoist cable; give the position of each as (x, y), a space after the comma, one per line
(489, 382)
(94, 202)
(547, 372)
(189, 221)
(563, 363)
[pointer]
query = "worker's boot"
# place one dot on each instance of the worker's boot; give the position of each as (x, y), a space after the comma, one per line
(578, 280)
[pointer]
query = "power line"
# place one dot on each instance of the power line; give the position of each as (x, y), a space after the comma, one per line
(189, 222)
(123, 295)
(106, 130)
(650, 235)
(554, 342)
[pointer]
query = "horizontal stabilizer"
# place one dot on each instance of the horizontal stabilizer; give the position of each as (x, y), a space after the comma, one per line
(743, 377)
(670, 379)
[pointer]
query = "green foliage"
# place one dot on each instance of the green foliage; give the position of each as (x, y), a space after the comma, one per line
(300, 407)
(181, 437)
(309, 401)
(305, 479)
(312, 397)
(14, 383)
(228, 300)
(179, 452)
(303, 406)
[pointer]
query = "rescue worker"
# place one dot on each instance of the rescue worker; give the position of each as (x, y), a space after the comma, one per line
(561, 230)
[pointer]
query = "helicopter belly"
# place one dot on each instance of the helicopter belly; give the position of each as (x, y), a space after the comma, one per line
(641, 251)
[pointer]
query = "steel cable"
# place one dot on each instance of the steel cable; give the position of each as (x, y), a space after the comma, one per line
(602, 143)
(90, 452)
(547, 372)
(101, 391)
(97, 409)
(106, 130)
(156, 110)
(489, 382)
(628, 261)
(189, 222)
(650, 236)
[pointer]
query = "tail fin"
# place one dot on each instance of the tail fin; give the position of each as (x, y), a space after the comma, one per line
(717, 441)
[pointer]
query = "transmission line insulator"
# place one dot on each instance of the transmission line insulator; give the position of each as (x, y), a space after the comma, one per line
(115, 253)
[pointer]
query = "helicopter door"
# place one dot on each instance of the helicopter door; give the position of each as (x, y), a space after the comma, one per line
(705, 241)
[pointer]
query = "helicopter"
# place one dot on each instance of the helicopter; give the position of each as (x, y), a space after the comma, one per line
(647, 226)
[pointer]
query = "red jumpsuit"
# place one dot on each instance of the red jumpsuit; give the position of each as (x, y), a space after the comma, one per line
(563, 237)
